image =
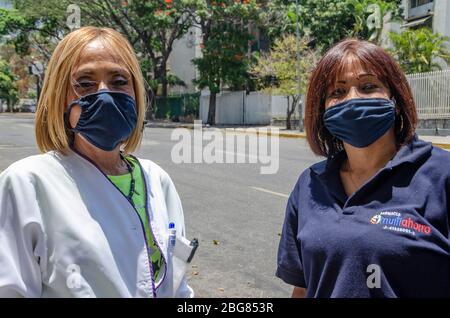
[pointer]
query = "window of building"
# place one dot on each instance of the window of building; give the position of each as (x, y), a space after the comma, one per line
(417, 3)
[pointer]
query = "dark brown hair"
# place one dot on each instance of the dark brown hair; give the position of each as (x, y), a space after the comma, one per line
(374, 59)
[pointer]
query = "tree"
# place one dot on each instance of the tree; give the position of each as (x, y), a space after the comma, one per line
(329, 21)
(34, 28)
(277, 18)
(226, 40)
(8, 90)
(370, 16)
(417, 50)
(151, 26)
(276, 72)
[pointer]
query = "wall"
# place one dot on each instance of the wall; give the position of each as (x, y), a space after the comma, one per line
(238, 108)
(180, 63)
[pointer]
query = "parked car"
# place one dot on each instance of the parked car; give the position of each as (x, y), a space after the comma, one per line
(26, 106)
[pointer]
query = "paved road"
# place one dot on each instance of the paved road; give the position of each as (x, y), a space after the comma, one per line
(232, 205)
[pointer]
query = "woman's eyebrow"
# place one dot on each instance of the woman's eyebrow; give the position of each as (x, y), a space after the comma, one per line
(120, 71)
(357, 77)
(365, 75)
(83, 72)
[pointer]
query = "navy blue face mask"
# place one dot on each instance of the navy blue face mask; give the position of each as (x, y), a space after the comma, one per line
(106, 119)
(360, 121)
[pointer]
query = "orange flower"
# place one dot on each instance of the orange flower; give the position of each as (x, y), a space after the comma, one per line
(238, 57)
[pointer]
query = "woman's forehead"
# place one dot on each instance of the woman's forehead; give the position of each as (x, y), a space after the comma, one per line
(98, 53)
(351, 67)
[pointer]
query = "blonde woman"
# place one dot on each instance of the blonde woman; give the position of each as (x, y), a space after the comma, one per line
(86, 218)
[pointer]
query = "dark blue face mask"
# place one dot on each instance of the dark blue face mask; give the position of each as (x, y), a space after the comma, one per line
(360, 121)
(106, 119)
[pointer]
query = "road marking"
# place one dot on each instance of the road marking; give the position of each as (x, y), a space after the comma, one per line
(146, 142)
(234, 154)
(271, 192)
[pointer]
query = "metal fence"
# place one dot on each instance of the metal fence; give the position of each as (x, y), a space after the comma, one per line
(174, 107)
(431, 93)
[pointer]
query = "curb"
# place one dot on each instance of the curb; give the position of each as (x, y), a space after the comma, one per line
(170, 126)
(270, 133)
(441, 145)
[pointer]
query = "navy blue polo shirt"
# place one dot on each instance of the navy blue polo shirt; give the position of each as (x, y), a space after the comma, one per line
(389, 239)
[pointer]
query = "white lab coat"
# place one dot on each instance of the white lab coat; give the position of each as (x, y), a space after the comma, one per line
(67, 231)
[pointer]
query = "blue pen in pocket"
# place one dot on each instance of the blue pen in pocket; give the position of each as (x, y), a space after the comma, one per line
(172, 235)
(172, 242)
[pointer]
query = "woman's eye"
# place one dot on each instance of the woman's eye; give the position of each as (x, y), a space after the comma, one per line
(369, 87)
(336, 92)
(84, 84)
(121, 82)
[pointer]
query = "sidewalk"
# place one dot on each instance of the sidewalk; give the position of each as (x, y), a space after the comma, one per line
(438, 141)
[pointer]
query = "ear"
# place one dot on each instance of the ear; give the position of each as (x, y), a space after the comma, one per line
(397, 109)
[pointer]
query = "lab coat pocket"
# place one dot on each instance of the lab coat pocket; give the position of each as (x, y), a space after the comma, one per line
(180, 256)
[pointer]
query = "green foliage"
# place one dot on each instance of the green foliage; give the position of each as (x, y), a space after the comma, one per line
(277, 18)
(326, 21)
(329, 21)
(223, 61)
(178, 107)
(174, 80)
(8, 90)
(151, 27)
(416, 50)
(370, 16)
(284, 71)
(192, 105)
(277, 71)
(34, 27)
(226, 37)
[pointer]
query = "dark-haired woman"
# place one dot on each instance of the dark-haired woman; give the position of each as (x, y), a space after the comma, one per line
(372, 220)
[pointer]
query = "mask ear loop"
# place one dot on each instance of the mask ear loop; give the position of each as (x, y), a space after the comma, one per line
(399, 114)
(69, 109)
(394, 100)
(69, 130)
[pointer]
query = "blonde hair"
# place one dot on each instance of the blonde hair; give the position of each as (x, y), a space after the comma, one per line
(50, 129)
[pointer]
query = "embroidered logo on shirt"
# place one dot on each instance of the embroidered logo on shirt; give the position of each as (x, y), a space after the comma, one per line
(394, 221)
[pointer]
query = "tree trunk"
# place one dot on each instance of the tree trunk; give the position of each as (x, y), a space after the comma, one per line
(164, 84)
(300, 115)
(290, 111)
(212, 109)
(9, 105)
(164, 87)
(288, 115)
(151, 104)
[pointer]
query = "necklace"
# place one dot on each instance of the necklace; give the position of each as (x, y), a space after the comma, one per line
(132, 183)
